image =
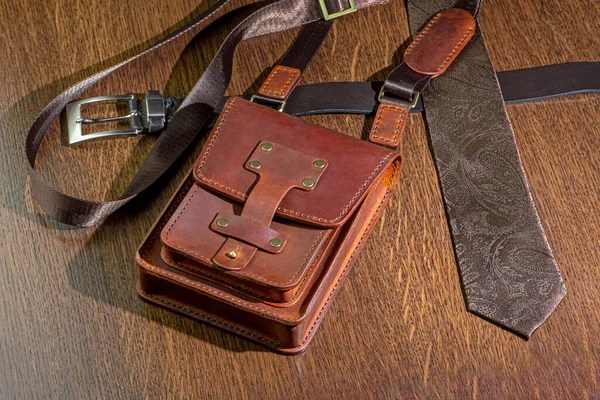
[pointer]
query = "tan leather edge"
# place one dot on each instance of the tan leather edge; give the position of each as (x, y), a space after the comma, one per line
(280, 83)
(388, 125)
(436, 27)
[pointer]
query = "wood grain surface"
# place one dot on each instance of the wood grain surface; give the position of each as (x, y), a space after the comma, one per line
(72, 327)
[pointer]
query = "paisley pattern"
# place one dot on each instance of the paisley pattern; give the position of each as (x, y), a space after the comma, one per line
(508, 272)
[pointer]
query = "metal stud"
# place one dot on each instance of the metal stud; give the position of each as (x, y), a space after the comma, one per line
(222, 222)
(231, 254)
(275, 242)
(266, 146)
(319, 164)
(255, 164)
(308, 182)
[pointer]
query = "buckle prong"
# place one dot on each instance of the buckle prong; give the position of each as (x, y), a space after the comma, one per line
(108, 119)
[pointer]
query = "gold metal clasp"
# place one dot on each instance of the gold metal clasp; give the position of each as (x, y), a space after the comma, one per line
(329, 16)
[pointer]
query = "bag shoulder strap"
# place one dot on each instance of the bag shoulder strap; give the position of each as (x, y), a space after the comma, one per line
(192, 115)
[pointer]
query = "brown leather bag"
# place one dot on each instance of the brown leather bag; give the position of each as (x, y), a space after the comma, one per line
(263, 232)
(261, 235)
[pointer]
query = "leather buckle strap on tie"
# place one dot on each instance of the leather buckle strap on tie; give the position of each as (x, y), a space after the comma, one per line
(428, 56)
(187, 123)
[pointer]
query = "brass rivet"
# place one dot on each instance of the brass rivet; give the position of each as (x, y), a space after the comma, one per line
(232, 254)
(222, 222)
(319, 164)
(308, 182)
(266, 146)
(255, 164)
(275, 242)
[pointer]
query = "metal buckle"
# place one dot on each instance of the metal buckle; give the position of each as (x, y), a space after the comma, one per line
(148, 117)
(328, 16)
(280, 104)
(413, 101)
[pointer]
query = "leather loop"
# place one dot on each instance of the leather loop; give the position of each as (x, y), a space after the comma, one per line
(280, 82)
(284, 77)
(279, 169)
(249, 231)
(440, 42)
(389, 124)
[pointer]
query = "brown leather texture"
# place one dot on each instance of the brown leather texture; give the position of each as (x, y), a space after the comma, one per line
(276, 298)
(389, 124)
(249, 231)
(188, 233)
(440, 42)
(339, 191)
(280, 82)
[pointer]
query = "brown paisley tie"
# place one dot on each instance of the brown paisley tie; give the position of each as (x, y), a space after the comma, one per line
(508, 272)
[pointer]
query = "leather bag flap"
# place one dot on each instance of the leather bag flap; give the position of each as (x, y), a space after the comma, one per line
(352, 165)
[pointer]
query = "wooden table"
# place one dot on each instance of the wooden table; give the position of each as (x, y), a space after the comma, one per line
(71, 325)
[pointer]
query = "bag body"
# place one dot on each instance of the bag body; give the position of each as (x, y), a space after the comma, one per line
(260, 236)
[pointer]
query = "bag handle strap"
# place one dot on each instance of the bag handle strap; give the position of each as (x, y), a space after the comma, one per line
(192, 115)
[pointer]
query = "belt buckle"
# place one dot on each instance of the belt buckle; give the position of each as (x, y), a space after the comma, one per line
(150, 119)
(329, 16)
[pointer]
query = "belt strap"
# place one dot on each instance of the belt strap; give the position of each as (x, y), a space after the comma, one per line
(194, 112)
(517, 86)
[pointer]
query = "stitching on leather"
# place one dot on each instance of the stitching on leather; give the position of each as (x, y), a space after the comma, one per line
(208, 276)
(258, 277)
(319, 316)
(345, 209)
(180, 213)
(207, 318)
(348, 265)
(427, 29)
(212, 277)
(207, 260)
(422, 33)
(374, 133)
(207, 291)
(455, 49)
(281, 210)
(277, 70)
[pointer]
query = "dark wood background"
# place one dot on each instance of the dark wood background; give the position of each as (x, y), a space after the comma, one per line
(71, 325)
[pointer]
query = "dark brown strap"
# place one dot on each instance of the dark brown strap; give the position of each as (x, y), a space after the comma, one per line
(187, 123)
(285, 76)
(518, 86)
